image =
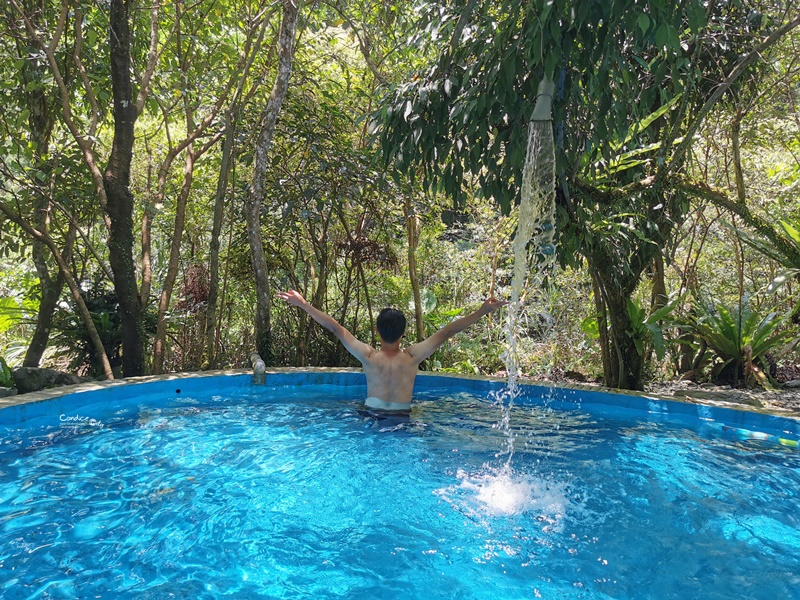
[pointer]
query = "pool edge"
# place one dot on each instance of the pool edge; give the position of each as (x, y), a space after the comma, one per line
(57, 392)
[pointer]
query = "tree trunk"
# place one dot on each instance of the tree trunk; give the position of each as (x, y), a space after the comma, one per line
(602, 327)
(86, 315)
(116, 182)
(623, 365)
(231, 120)
(216, 231)
(41, 121)
(659, 295)
(172, 266)
(413, 240)
(286, 37)
(51, 292)
(224, 295)
(626, 361)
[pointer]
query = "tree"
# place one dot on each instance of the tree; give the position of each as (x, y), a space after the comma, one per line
(86, 316)
(633, 82)
(112, 183)
(117, 182)
(201, 101)
(255, 198)
(28, 119)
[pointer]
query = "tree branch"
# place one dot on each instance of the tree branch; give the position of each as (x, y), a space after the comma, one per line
(723, 87)
(84, 143)
(86, 315)
(74, 222)
(87, 87)
(152, 60)
(721, 198)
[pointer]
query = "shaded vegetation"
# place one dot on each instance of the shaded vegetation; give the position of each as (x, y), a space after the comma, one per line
(157, 192)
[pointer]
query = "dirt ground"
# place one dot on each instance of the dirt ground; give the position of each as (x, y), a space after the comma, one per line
(785, 401)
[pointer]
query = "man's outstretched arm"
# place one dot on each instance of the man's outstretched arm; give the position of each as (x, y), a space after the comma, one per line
(425, 348)
(355, 347)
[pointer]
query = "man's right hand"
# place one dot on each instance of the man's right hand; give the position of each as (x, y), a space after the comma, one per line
(491, 304)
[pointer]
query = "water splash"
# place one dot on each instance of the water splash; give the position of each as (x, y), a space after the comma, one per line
(503, 493)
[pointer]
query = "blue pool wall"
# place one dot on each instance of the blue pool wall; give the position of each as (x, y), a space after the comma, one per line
(109, 402)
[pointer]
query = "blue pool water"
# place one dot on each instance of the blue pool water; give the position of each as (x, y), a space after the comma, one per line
(212, 488)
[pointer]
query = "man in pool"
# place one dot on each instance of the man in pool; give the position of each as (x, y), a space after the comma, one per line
(391, 370)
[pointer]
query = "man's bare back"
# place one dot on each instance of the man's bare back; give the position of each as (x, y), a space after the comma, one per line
(390, 371)
(390, 378)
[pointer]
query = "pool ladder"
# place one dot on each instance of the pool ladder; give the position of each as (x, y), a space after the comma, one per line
(259, 368)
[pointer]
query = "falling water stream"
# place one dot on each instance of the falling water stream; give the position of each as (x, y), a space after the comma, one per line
(534, 253)
(500, 488)
(533, 246)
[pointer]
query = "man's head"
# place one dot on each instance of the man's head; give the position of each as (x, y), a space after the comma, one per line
(391, 325)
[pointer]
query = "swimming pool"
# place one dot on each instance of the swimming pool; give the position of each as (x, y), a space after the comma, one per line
(211, 487)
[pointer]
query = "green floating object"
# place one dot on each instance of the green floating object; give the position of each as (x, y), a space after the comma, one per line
(785, 442)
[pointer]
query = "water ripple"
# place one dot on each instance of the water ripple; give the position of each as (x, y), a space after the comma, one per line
(255, 499)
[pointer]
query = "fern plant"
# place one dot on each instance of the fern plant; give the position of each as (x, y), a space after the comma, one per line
(740, 337)
(6, 380)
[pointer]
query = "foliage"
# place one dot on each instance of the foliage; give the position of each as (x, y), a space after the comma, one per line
(71, 339)
(621, 113)
(466, 115)
(740, 337)
(6, 380)
(650, 328)
(786, 253)
(450, 116)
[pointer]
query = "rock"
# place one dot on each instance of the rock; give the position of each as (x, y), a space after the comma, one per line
(576, 376)
(794, 383)
(6, 391)
(32, 379)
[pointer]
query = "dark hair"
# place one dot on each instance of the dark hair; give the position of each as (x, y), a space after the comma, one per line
(391, 324)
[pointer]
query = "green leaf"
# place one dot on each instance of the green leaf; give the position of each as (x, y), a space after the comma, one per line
(427, 299)
(661, 313)
(644, 123)
(552, 61)
(10, 313)
(662, 36)
(657, 337)
(673, 39)
(6, 380)
(635, 312)
(407, 110)
(697, 17)
(644, 23)
(791, 231)
(591, 327)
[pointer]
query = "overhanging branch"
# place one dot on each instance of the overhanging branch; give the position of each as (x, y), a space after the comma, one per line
(723, 87)
(720, 198)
